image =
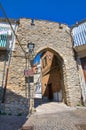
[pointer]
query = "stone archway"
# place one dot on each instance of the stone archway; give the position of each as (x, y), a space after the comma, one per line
(66, 95)
(45, 34)
(53, 88)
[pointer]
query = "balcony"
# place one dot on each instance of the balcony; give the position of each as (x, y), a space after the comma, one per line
(5, 40)
(79, 37)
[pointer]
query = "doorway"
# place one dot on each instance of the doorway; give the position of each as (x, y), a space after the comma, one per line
(50, 92)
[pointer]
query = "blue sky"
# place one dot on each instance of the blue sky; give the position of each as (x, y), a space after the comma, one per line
(63, 11)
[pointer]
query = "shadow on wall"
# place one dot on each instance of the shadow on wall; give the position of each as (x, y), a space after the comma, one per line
(9, 122)
(14, 112)
(14, 104)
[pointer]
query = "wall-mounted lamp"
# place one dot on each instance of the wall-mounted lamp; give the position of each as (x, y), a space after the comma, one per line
(30, 47)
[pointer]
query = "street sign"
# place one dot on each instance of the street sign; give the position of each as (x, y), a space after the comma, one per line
(28, 73)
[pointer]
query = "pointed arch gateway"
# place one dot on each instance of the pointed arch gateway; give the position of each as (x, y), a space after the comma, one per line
(55, 37)
(60, 83)
(52, 76)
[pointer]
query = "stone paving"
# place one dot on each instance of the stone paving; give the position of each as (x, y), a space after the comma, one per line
(52, 107)
(48, 116)
(9, 122)
(57, 118)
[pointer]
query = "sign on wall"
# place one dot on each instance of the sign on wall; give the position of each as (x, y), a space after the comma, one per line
(38, 91)
(28, 73)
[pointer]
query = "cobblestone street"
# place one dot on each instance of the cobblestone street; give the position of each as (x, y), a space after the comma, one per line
(49, 116)
(64, 119)
(58, 121)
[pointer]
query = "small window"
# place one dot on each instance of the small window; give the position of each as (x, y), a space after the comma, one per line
(44, 62)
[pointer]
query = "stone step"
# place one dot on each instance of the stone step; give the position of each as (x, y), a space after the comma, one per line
(27, 128)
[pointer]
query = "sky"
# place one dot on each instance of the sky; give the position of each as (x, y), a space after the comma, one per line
(63, 11)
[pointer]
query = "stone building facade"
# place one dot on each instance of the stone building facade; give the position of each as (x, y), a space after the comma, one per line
(45, 35)
(7, 44)
(78, 32)
(51, 77)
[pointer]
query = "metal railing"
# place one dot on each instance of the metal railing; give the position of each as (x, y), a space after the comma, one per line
(79, 35)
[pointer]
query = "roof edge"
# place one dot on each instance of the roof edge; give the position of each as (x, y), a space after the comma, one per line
(13, 21)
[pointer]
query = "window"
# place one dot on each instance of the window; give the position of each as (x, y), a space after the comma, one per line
(44, 61)
(3, 40)
(7, 38)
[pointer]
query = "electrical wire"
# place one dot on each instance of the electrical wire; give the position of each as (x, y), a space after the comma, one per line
(7, 69)
(11, 27)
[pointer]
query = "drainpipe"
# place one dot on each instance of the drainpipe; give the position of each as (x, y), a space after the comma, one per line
(9, 54)
(6, 76)
(4, 92)
(3, 72)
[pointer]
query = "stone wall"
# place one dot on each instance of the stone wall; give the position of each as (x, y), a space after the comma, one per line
(45, 35)
(17, 89)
